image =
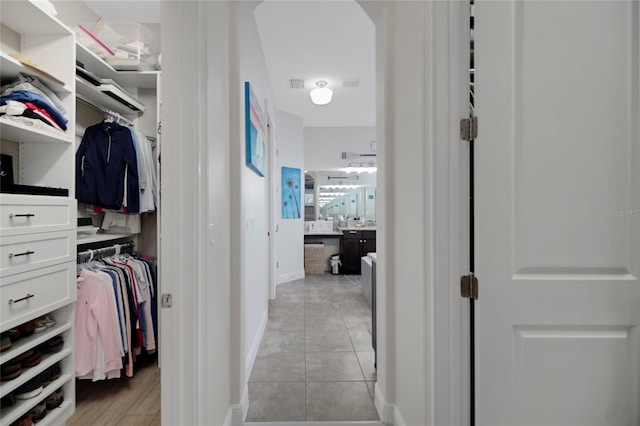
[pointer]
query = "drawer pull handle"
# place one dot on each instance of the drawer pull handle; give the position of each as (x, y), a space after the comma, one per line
(27, 215)
(28, 296)
(353, 232)
(26, 253)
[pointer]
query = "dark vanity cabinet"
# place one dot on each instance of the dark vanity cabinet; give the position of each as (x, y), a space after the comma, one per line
(355, 244)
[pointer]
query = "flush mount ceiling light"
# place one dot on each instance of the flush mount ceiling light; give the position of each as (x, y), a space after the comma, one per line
(322, 95)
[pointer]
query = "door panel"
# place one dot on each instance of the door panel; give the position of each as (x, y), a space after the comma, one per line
(557, 212)
(561, 355)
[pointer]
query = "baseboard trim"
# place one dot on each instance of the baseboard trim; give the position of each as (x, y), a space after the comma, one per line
(397, 418)
(386, 411)
(292, 276)
(238, 412)
(229, 417)
(255, 346)
(346, 423)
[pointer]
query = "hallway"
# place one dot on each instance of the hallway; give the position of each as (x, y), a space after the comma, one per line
(316, 361)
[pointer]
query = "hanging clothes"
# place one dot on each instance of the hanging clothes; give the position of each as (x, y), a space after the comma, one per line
(115, 316)
(116, 173)
(107, 168)
(95, 306)
(147, 172)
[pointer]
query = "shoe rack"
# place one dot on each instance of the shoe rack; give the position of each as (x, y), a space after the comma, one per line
(38, 232)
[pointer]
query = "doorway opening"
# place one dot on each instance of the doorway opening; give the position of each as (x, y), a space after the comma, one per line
(315, 358)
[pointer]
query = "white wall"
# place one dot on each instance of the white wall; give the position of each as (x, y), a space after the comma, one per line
(254, 193)
(74, 13)
(423, 248)
(290, 236)
(196, 264)
(323, 145)
(422, 60)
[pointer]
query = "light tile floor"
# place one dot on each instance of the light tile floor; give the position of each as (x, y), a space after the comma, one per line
(315, 361)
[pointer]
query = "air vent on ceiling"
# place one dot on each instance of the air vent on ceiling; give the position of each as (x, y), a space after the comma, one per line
(296, 83)
(350, 83)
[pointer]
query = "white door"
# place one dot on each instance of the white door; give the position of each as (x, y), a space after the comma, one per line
(557, 213)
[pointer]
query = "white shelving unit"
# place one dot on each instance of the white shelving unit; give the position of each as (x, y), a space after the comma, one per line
(38, 243)
(11, 67)
(135, 83)
(43, 282)
(95, 65)
(92, 95)
(100, 238)
(19, 132)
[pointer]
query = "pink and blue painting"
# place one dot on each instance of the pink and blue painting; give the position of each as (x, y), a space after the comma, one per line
(291, 193)
(255, 132)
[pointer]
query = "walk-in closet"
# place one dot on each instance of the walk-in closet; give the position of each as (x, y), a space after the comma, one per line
(79, 206)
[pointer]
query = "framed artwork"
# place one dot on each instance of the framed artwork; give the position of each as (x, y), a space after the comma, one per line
(291, 193)
(255, 131)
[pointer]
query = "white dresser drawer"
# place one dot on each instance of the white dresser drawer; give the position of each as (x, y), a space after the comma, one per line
(22, 253)
(26, 214)
(35, 293)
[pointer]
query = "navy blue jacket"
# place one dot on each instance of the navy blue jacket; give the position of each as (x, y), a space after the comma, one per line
(105, 153)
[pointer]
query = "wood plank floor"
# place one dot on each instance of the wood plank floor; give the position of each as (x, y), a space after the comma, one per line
(128, 401)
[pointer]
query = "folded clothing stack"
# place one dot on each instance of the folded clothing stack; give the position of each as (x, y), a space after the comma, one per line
(27, 100)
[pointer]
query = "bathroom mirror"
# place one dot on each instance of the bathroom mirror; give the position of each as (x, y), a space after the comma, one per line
(340, 195)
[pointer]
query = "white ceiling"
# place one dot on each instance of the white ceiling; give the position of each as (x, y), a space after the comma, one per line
(320, 40)
(302, 39)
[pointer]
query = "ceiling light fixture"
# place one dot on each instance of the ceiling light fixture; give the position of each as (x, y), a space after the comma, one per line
(321, 95)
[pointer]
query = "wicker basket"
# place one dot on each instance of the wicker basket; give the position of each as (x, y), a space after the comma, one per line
(314, 261)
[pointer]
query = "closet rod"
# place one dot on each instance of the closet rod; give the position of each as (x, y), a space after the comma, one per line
(115, 249)
(106, 111)
(118, 117)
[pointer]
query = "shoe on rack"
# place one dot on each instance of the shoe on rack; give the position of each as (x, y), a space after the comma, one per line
(6, 343)
(27, 328)
(33, 360)
(39, 411)
(8, 400)
(50, 374)
(54, 344)
(11, 370)
(55, 399)
(44, 323)
(13, 333)
(25, 420)
(24, 355)
(30, 389)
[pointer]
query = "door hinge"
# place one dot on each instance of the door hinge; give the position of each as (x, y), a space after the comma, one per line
(166, 300)
(469, 128)
(469, 286)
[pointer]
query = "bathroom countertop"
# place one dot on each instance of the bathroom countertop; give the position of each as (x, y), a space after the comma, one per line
(358, 228)
(321, 233)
